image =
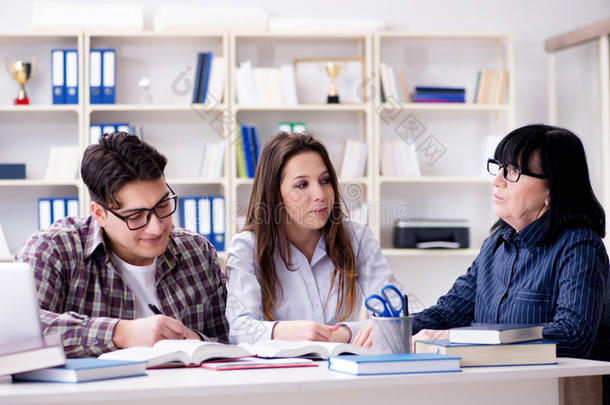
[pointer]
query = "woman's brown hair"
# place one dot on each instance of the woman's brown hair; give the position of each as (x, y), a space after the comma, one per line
(266, 215)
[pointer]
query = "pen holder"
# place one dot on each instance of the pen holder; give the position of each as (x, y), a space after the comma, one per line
(392, 335)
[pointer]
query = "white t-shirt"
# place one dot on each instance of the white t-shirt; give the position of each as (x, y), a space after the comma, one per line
(141, 282)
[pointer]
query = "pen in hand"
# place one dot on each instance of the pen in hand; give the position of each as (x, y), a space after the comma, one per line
(154, 309)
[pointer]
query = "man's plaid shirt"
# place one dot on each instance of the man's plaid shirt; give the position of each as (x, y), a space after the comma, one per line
(83, 296)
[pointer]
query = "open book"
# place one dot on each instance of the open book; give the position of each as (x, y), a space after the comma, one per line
(190, 351)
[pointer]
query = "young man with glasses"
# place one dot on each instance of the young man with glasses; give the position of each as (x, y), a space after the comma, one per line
(124, 276)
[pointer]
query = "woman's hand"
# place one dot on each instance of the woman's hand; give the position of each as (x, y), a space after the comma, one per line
(365, 335)
(304, 330)
(428, 334)
(342, 334)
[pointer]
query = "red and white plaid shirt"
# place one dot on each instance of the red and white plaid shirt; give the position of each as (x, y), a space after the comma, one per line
(83, 296)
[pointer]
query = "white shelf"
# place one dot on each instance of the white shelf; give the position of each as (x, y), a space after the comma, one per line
(300, 36)
(430, 252)
(41, 108)
(155, 35)
(359, 180)
(240, 181)
(438, 179)
(440, 35)
(37, 183)
(307, 107)
(155, 107)
(445, 107)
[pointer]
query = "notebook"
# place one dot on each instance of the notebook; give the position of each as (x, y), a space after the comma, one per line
(394, 364)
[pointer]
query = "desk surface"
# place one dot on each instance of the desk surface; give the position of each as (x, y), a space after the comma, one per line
(202, 383)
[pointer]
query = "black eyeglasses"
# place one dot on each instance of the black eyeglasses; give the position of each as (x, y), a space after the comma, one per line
(511, 172)
(140, 218)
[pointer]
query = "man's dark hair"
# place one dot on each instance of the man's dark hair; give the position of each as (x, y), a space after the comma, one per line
(118, 159)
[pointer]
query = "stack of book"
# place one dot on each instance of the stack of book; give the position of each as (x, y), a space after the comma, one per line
(494, 345)
(427, 94)
(246, 149)
(491, 86)
(268, 86)
(209, 79)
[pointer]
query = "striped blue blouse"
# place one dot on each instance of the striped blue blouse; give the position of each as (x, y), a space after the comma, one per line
(562, 285)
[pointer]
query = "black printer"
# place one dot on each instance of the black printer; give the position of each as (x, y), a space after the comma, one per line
(431, 233)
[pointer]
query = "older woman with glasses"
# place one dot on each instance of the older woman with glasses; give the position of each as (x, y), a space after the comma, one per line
(544, 262)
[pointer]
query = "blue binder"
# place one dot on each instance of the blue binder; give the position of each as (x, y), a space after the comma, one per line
(198, 77)
(71, 76)
(108, 76)
(95, 76)
(58, 76)
(204, 217)
(188, 213)
(254, 145)
(218, 223)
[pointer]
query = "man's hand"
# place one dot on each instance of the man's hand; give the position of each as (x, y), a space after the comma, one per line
(148, 331)
(303, 330)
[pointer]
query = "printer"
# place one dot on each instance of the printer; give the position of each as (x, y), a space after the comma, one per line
(431, 233)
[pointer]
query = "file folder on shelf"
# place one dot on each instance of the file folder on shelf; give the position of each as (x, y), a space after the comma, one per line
(52, 209)
(108, 76)
(71, 79)
(95, 76)
(188, 213)
(218, 223)
(204, 214)
(58, 76)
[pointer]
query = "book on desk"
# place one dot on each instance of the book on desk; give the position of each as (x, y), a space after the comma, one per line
(515, 354)
(485, 333)
(85, 369)
(176, 352)
(407, 363)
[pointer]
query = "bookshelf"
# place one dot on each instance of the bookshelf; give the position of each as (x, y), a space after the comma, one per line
(27, 132)
(451, 186)
(333, 124)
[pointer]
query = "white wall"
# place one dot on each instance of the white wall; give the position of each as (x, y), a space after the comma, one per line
(530, 21)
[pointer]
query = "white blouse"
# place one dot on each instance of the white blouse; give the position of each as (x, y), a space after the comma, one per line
(305, 290)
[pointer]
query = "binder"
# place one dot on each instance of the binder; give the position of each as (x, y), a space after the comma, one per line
(59, 208)
(188, 213)
(204, 216)
(245, 140)
(122, 127)
(44, 213)
(218, 223)
(108, 76)
(254, 146)
(58, 76)
(71, 67)
(108, 128)
(95, 76)
(95, 133)
(72, 207)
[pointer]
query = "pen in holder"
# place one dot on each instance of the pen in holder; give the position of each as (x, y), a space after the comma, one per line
(392, 334)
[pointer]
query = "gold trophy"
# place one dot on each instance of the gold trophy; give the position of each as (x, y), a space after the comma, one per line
(332, 70)
(21, 72)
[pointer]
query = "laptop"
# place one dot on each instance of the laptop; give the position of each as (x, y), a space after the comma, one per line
(19, 310)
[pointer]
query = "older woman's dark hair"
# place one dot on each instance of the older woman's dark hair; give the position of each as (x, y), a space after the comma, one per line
(118, 159)
(564, 164)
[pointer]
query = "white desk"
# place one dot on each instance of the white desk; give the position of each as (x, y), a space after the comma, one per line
(312, 386)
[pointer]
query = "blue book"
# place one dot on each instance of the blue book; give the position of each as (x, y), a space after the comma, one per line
(58, 76)
(248, 150)
(12, 170)
(197, 85)
(434, 95)
(85, 369)
(477, 355)
(440, 89)
(406, 363)
(207, 67)
(255, 145)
